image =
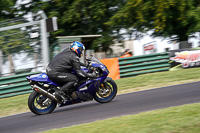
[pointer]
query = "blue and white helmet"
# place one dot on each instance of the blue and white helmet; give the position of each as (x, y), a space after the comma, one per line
(78, 48)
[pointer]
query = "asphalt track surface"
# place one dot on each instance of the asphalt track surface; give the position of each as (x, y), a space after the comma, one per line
(131, 103)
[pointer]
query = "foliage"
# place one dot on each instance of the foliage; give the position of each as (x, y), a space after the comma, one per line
(7, 9)
(79, 17)
(176, 19)
(14, 41)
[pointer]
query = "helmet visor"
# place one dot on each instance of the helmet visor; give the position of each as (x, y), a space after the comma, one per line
(81, 49)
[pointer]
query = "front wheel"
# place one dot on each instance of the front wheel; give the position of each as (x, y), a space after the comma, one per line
(106, 92)
(39, 104)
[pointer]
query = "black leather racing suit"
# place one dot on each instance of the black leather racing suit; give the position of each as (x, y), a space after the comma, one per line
(60, 67)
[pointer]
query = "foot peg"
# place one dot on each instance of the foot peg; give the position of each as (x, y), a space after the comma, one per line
(61, 96)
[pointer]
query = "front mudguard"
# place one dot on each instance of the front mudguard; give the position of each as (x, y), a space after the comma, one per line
(108, 79)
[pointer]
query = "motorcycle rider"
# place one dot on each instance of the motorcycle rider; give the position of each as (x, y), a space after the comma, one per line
(60, 67)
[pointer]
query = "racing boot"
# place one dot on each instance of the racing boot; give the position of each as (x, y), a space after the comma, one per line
(67, 90)
(61, 96)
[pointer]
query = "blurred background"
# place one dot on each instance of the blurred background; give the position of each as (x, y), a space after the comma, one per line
(29, 38)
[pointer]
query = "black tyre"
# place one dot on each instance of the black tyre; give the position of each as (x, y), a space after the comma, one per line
(39, 104)
(106, 92)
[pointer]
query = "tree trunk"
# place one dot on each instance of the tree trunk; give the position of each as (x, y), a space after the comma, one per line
(183, 37)
(183, 41)
(12, 68)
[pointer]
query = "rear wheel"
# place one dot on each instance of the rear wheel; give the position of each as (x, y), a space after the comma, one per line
(39, 104)
(106, 92)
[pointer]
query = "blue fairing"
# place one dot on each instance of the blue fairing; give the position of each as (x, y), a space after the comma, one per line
(42, 77)
(89, 86)
(95, 83)
(102, 67)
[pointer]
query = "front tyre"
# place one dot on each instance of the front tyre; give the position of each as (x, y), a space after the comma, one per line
(106, 92)
(39, 104)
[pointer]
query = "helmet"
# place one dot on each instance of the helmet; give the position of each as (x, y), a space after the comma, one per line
(78, 48)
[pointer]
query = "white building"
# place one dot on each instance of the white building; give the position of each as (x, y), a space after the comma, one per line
(161, 45)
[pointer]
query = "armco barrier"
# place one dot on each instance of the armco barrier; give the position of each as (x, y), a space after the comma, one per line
(135, 65)
(14, 85)
(130, 66)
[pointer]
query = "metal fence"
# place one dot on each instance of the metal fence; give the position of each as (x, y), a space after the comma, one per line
(20, 48)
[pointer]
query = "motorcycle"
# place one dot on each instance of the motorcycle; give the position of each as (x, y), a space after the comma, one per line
(43, 100)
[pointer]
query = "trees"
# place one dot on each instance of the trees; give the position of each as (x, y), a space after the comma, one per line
(13, 42)
(177, 19)
(80, 17)
(7, 9)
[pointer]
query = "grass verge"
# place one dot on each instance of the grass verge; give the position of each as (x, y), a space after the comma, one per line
(180, 119)
(159, 79)
(18, 104)
(14, 105)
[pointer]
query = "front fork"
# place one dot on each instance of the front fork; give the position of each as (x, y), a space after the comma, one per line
(104, 90)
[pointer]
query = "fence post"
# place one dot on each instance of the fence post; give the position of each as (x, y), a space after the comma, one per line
(1, 62)
(45, 43)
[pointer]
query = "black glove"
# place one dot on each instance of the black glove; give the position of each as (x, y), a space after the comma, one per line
(89, 64)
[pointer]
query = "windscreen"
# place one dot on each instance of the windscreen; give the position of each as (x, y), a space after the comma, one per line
(96, 60)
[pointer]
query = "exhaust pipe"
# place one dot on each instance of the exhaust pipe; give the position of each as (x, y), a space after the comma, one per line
(45, 93)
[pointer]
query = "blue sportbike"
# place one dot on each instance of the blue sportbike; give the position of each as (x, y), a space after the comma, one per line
(102, 89)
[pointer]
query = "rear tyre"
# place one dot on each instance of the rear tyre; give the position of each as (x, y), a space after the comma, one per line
(106, 92)
(39, 104)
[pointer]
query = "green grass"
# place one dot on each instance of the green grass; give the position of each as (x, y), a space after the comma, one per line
(18, 104)
(159, 79)
(13, 105)
(181, 119)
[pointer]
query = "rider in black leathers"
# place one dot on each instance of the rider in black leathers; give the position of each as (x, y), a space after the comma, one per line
(59, 69)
